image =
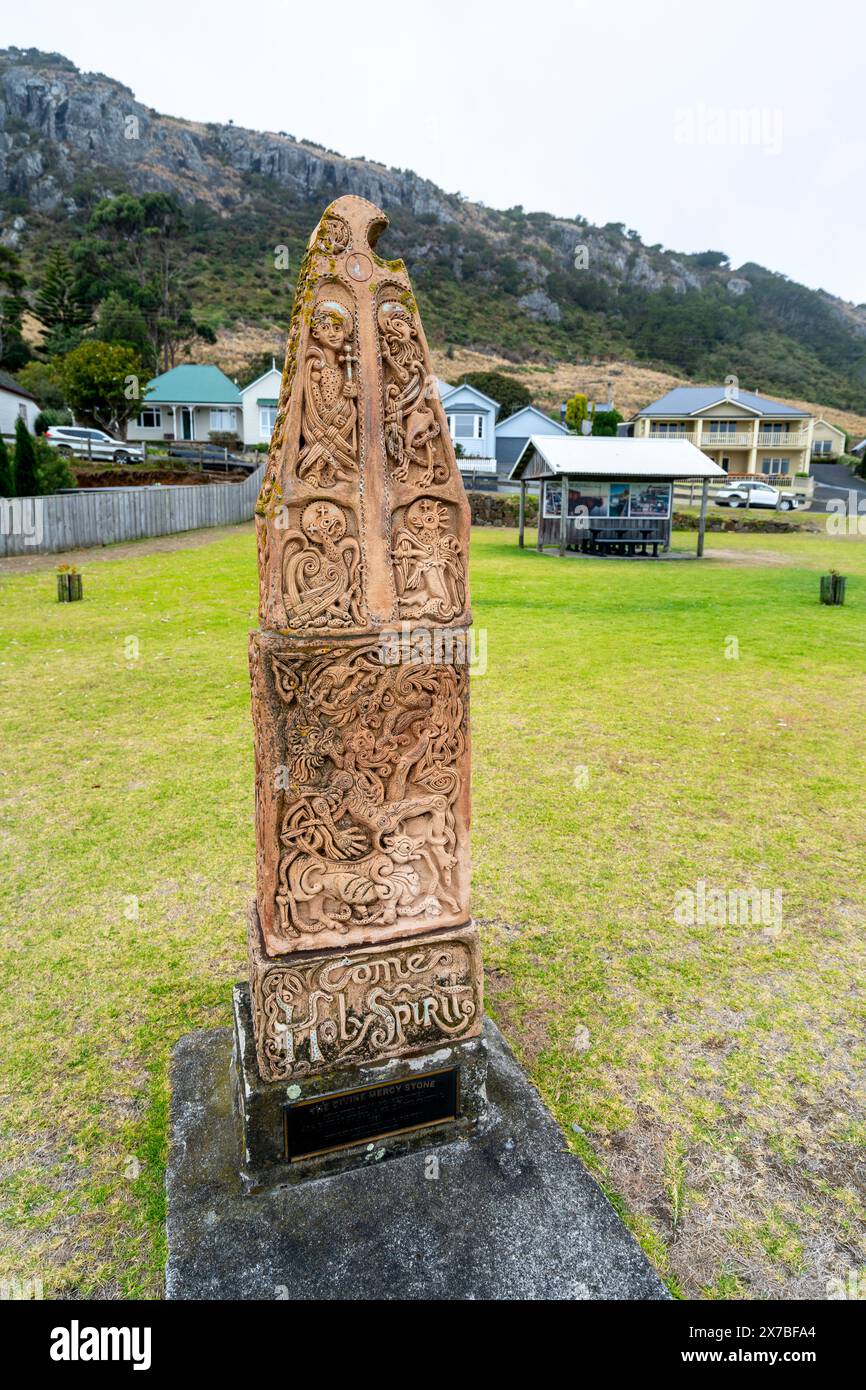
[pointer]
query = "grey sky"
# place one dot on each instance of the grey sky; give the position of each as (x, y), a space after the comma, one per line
(625, 111)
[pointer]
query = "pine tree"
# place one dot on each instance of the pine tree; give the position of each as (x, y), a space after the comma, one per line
(26, 478)
(7, 473)
(58, 304)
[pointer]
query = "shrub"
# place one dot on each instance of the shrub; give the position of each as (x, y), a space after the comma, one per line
(26, 479)
(511, 395)
(7, 472)
(52, 470)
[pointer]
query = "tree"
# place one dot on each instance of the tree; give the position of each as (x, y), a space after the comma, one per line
(13, 349)
(103, 384)
(604, 422)
(7, 472)
(512, 395)
(119, 321)
(59, 305)
(141, 239)
(42, 380)
(576, 408)
(712, 260)
(26, 477)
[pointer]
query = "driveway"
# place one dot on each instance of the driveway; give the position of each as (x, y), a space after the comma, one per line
(832, 480)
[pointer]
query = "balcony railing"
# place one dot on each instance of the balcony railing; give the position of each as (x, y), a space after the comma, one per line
(773, 439)
(683, 433)
(717, 439)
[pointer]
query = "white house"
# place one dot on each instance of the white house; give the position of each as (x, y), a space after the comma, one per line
(15, 402)
(259, 408)
(472, 423)
(188, 403)
(487, 447)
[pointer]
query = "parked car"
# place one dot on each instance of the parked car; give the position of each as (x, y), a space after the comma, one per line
(93, 444)
(757, 494)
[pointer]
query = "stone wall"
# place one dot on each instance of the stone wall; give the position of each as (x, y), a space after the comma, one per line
(497, 509)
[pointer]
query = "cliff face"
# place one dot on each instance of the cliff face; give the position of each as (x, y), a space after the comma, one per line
(532, 284)
(59, 124)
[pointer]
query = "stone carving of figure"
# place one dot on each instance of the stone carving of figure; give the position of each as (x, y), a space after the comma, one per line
(322, 571)
(411, 427)
(329, 418)
(428, 569)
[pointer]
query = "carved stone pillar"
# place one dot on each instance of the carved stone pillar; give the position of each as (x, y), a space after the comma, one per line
(365, 977)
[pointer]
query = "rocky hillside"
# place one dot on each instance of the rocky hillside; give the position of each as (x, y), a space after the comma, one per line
(528, 286)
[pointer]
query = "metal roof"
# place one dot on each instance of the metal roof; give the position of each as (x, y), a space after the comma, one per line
(192, 385)
(529, 410)
(8, 383)
(607, 456)
(688, 400)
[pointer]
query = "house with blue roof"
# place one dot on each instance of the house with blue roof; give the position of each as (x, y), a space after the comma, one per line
(472, 423)
(513, 433)
(743, 431)
(190, 402)
(488, 448)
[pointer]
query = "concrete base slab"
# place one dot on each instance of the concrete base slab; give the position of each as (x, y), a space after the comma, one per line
(507, 1214)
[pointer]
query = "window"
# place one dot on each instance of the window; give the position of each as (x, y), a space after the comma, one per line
(668, 428)
(22, 411)
(768, 427)
(267, 420)
(466, 426)
(222, 421)
(150, 418)
(771, 466)
(822, 446)
(722, 426)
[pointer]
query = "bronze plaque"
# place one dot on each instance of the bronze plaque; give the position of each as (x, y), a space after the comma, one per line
(361, 1116)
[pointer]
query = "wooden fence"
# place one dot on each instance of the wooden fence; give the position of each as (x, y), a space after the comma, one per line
(104, 516)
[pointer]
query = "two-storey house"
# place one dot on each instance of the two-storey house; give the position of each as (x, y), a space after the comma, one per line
(742, 431)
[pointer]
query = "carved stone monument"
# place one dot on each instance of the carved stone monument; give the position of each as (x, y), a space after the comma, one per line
(361, 1034)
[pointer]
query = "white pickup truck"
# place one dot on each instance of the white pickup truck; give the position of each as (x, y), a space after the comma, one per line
(742, 494)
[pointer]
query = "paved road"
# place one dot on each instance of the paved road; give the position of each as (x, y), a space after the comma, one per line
(834, 480)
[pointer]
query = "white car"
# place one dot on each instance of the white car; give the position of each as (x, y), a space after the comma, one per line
(92, 444)
(750, 494)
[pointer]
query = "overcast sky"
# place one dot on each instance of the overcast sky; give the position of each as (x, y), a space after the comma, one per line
(738, 127)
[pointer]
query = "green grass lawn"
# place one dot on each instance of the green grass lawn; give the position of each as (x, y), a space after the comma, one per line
(640, 727)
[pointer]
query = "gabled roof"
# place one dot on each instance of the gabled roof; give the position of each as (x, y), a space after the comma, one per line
(828, 426)
(528, 411)
(192, 385)
(8, 383)
(690, 400)
(606, 456)
(472, 390)
(259, 379)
